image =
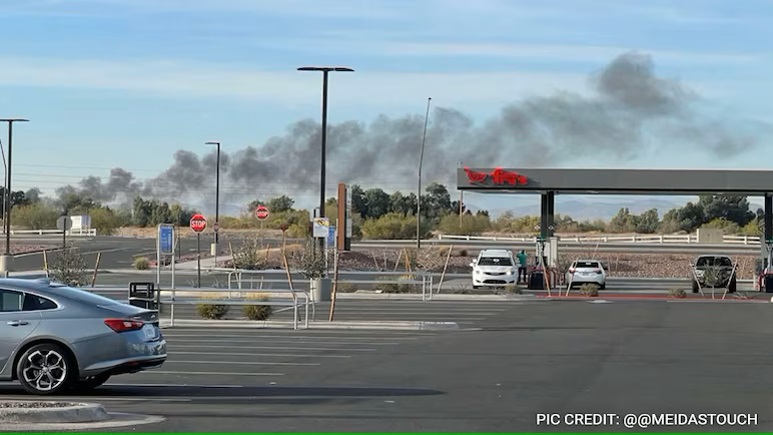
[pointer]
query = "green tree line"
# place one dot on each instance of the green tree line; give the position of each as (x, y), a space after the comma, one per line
(381, 215)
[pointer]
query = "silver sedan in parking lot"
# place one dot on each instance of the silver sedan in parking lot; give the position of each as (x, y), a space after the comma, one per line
(54, 337)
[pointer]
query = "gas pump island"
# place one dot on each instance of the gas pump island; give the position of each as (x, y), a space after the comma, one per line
(549, 182)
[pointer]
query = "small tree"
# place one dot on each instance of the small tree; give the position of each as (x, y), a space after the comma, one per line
(249, 256)
(69, 267)
(312, 263)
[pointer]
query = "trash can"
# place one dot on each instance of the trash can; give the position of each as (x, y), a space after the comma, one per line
(536, 280)
(143, 295)
(768, 282)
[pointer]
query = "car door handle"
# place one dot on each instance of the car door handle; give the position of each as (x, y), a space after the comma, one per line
(18, 323)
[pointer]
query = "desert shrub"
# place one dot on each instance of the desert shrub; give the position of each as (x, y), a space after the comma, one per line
(312, 262)
(250, 255)
(392, 285)
(589, 290)
(713, 276)
(346, 287)
(212, 311)
(141, 263)
(35, 216)
(678, 293)
(470, 225)
(393, 226)
(513, 289)
(258, 312)
(69, 267)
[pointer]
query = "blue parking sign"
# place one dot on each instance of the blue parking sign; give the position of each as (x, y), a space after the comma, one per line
(166, 239)
(331, 236)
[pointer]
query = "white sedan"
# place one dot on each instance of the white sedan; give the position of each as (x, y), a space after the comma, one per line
(587, 272)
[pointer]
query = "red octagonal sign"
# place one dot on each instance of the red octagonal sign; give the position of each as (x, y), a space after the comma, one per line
(198, 223)
(261, 212)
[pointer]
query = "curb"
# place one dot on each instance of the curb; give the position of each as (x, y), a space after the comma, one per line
(77, 413)
(396, 325)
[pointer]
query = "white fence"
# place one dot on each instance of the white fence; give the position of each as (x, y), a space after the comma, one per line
(638, 238)
(78, 232)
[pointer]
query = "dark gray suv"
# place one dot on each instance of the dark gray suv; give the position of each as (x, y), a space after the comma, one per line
(714, 271)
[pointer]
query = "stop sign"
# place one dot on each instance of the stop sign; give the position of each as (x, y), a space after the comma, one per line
(198, 223)
(261, 212)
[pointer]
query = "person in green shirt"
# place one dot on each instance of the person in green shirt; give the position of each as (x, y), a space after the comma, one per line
(522, 263)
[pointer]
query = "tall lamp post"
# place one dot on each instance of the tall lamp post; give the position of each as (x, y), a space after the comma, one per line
(325, 71)
(418, 193)
(217, 197)
(5, 262)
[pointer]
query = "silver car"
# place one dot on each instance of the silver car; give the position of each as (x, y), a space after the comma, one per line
(54, 337)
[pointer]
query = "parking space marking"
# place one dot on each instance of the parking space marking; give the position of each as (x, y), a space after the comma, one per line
(320, 349)
(246, 363)
(262, 355)
(247, 340)
(348, 332)
(300, 337)
(172, 372)
(173, 385)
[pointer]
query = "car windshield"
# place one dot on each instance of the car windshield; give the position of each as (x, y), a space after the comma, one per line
(587, 265)
(495, 261)
(83, 296)
(714, 261)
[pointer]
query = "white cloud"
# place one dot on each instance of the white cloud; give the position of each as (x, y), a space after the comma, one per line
(177, 79)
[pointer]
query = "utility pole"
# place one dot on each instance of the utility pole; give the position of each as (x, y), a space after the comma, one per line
(421, 162)
(325, 72)
(7, 258)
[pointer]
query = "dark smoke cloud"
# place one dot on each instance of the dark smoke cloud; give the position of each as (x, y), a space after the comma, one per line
(628, 111)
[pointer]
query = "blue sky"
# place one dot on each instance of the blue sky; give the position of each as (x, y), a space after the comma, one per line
(126, 83)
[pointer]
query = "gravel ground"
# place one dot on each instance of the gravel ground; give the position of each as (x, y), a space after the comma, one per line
(21, 249)
(433, 260)
(20, 404)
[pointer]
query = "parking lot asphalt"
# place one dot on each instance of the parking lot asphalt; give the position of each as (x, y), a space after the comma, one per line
(550, 357)
(465, 313)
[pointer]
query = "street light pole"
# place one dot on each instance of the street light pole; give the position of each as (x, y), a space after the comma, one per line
(6, 258)
(325, 71)
(418, 193)
(217, 198)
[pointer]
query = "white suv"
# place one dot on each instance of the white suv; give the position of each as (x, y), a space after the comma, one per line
(495, 268)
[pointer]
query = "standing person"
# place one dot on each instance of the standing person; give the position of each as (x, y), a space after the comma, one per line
(522, 265)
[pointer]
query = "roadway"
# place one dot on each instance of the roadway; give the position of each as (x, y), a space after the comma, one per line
(548, 357)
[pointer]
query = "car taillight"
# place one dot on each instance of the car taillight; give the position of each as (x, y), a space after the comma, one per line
(124, 325)
(571, 270)
(598, 272)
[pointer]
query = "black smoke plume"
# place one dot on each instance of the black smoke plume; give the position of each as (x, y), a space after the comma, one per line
(628, 111)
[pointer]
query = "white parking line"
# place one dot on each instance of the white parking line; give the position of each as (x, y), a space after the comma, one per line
(347, 332)
(247, 340)
(262, 355)
(207, 373)
(321, 349)
(300, 337)
(174, 385)
(246, 363)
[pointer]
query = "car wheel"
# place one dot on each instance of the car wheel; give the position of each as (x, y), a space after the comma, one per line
(91, 382)
(603, 286)
(44, 369)
(695, 288)
(733, 286)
